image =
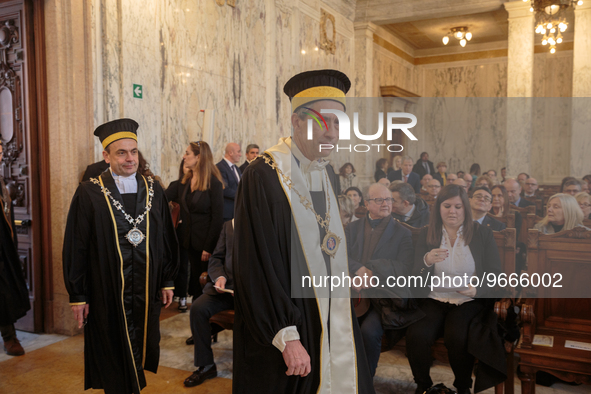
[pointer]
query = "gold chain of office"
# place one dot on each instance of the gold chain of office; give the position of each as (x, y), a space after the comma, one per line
(331, 241)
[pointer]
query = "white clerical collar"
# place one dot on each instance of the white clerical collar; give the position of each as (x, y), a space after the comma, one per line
(125, 184)
(311, 170)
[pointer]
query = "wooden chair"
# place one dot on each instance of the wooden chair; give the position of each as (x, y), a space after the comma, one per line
(524, 212)
(587, 223)
(506, 242)
(568, 253)
(224, 319)
(539, 204)
(531, 220)
(509, 220)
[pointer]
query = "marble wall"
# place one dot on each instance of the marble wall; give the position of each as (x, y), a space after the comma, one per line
(191, 55)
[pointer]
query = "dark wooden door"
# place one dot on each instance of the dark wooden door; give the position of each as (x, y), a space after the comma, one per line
(19, 131)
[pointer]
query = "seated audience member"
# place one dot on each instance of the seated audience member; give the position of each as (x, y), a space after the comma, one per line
(433, 187)
(424, 182)
(441, 174)
(480, 203)
(212, 301)
(469, 180)
(252, 151)
(584, 201)
(564, 180)
(587, 178)
(514, 191)
(501, 206)
(348, 177)
(584, 186)
(572, 187)
(460, 174)
(357, 197)
(492, 174)
(405, 174)
(407, 207)
(346, 209)
(378, 245)
(384, 181)
(453, 243)
(474, 172)
(381, 167)
(562, 213)
(530, 187)
(396, 163)
(451, 178)
(424, 166)
(484, 180)
(462, 183)
(503, 174)
(521, 178)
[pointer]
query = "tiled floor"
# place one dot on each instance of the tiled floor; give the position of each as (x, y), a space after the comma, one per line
(54, 364)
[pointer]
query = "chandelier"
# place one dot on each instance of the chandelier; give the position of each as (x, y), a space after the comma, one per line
(461, 33)
(550, 19)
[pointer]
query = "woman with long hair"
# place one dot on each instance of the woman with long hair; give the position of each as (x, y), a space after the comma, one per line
(455, 245)
(200, 195)
(397, 163)
(562, 213)
(348, 177)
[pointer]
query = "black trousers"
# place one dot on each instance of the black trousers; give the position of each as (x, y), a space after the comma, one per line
(197, 268)
(451, 322)
(181, 282)
(201, 310)
(8, 332)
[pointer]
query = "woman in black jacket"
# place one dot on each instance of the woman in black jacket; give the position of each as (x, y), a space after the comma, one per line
(200, 195)
(454, 245)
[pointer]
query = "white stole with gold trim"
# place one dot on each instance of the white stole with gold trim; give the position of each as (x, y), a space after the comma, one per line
(338, 364)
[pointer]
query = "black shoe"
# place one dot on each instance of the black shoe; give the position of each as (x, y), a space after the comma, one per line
(201, 376)
(190, 341)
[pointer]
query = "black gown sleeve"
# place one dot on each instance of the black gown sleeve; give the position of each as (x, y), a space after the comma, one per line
(75, 254)
(172, 192)
(261, 259)
(215, 267)
(170, 263)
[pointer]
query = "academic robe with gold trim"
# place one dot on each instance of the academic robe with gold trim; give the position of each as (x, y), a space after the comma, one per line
(264, 250)
(120, 283)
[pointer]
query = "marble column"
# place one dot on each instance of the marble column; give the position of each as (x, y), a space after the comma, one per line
(364, 59)
(581, 117)
(520, 69)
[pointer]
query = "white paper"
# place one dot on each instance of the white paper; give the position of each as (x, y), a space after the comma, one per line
(224, 290)
(543, 340)
(578, 345)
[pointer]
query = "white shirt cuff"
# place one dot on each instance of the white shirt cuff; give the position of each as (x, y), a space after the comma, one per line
(425, 261)
(286, 334)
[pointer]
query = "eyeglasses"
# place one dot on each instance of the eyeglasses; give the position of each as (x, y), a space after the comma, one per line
(380, 201)
(531, 184)
(584, 205)
(480, 197)
(434, 186)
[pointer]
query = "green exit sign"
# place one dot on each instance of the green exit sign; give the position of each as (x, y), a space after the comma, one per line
(138, 91)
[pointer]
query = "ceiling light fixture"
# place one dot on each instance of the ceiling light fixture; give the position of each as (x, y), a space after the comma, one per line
(461, 33)
(550, 19)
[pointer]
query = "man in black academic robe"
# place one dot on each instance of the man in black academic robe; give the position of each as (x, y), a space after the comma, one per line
(115, 287)
(281, 340)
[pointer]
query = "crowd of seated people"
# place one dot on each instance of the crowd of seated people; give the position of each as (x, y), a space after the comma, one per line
(455, 212)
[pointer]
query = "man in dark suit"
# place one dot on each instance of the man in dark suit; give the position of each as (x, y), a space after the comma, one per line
(407, 207)
(231, 174)
(378, 245)
(94, 170)
(212, 301)
(514, 191)
(481, 202)
(252, 151)
(424, 166)
(530, 187)
(406, 174)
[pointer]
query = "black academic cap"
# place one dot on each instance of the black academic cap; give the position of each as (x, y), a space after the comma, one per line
(309, 86)
(116, 130)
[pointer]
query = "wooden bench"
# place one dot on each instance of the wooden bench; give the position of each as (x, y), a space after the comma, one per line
(539, 204)
(506, 242)
(568, 253)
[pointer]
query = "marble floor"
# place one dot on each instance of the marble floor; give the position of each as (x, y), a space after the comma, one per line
(53, 364)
